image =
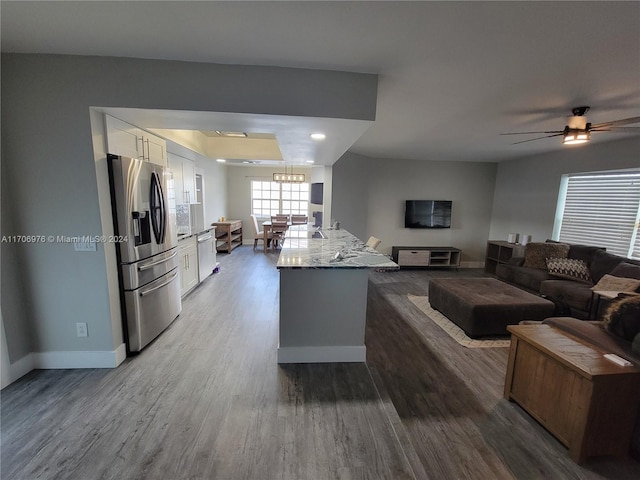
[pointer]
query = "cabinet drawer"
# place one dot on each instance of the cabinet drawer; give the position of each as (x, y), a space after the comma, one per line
(413, 257)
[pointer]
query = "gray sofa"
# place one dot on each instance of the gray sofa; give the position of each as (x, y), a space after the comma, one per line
(571, 297)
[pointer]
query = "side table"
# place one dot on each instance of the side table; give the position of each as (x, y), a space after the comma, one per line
(586, 401)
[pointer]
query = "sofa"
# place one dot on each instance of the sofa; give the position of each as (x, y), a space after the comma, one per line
(567, 274)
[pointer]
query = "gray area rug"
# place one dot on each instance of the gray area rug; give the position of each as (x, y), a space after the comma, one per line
(453, 330)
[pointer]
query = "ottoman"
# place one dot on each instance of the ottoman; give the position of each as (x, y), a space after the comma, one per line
(485, 306)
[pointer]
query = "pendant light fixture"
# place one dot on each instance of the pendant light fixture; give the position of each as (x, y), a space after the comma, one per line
(288, 177)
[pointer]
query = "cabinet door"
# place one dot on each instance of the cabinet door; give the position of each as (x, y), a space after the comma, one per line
(192, 271)
(122, 138)
(175, 165)
(189, 179)
(155, 149)
(413, 258)
(188, 251)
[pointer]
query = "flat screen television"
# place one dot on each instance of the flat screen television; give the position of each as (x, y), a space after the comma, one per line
(316, 193)
(427, 214)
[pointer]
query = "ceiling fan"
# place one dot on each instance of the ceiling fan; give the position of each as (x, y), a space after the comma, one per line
(578, 130)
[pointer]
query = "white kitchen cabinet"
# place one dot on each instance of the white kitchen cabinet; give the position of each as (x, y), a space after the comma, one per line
(130, 141)
(188, 253)
(189, 179)
(183, 171)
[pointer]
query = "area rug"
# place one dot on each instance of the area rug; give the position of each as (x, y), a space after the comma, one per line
(453, 330)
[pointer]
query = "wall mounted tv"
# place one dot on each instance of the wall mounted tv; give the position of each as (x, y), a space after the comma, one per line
(427, 214)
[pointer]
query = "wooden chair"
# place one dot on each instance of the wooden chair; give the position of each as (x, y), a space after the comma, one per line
(257, 233)
(279, 228)
(373, 242)
(299, 219)
(280, 217)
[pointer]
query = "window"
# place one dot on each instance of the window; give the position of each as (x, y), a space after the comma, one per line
(270, 198)
(600, 209)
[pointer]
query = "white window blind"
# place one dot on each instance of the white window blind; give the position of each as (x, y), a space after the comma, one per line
(603, 210)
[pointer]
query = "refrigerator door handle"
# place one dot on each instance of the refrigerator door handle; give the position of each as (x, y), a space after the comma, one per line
(157, 207)
(153, 289)
(147, 266)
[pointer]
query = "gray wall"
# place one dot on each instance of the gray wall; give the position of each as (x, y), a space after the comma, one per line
(48, 159)
(369, 195)
(526, 190)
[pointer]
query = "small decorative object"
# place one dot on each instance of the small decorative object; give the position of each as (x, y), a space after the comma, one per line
(512, 238)
(525, 239)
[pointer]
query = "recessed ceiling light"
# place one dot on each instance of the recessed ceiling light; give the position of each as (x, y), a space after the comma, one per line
(309, 161)
(318, 136)
(220, 160)
(231, 134)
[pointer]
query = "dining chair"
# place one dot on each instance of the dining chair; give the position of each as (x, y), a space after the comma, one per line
(373, 242)
(279, 228)
(257, 233)
(280, 217)
(299, 219)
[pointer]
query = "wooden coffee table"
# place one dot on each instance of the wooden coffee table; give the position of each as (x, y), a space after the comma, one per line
(586, 401)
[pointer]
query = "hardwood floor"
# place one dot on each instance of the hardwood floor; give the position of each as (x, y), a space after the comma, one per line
(207, 400)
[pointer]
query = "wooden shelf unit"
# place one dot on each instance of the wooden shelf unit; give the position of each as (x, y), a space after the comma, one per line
(426, 256)
(499, 251)
(228, 235)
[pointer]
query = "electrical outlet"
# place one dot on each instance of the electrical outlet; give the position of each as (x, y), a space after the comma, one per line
(81, 329)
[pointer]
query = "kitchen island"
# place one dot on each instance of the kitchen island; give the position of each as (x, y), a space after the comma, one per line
(324, 278)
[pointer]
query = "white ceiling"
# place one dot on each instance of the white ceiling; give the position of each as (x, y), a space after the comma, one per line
(452, 75)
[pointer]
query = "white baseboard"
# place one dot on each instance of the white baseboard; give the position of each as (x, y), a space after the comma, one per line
(80, 359)
(322, 354)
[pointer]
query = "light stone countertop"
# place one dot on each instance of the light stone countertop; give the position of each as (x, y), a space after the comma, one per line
(305, 247)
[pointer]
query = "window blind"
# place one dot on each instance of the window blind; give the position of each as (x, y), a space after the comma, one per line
(603, 210)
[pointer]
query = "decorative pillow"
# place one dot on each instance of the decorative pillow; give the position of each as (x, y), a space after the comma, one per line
(536, 253)
(622, 316)
(570, 268)
(625, 269)
(611, 283)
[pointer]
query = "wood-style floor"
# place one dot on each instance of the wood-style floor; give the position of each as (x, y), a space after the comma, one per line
(207, 400)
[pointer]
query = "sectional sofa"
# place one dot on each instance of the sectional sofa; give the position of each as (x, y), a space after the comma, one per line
(567, 274)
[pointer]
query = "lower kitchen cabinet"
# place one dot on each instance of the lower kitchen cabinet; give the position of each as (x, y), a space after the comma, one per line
(188, 252)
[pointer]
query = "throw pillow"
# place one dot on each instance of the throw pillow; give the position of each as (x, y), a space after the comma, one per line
(625, 269)
(622, 317)
(536, 253)
(610, 283)
(569, 268)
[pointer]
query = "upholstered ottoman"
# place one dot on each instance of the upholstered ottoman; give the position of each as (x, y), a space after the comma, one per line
(485, 306)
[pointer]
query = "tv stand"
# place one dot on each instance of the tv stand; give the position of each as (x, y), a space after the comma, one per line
(426, 256)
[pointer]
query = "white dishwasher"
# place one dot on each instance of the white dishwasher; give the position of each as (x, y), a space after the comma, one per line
(206, 252)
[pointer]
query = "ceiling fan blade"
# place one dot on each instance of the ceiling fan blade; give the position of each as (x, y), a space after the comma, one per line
(538, 138)
(616, 129)
(528, 133)
(624, 121)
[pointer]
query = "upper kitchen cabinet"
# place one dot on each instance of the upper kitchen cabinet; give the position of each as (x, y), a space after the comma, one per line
(130, 141)
(184, 179)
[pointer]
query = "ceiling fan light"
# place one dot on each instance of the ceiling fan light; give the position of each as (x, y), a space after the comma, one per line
(575, 137)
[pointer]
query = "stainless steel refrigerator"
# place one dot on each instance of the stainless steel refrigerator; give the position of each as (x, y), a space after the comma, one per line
(148, 257)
